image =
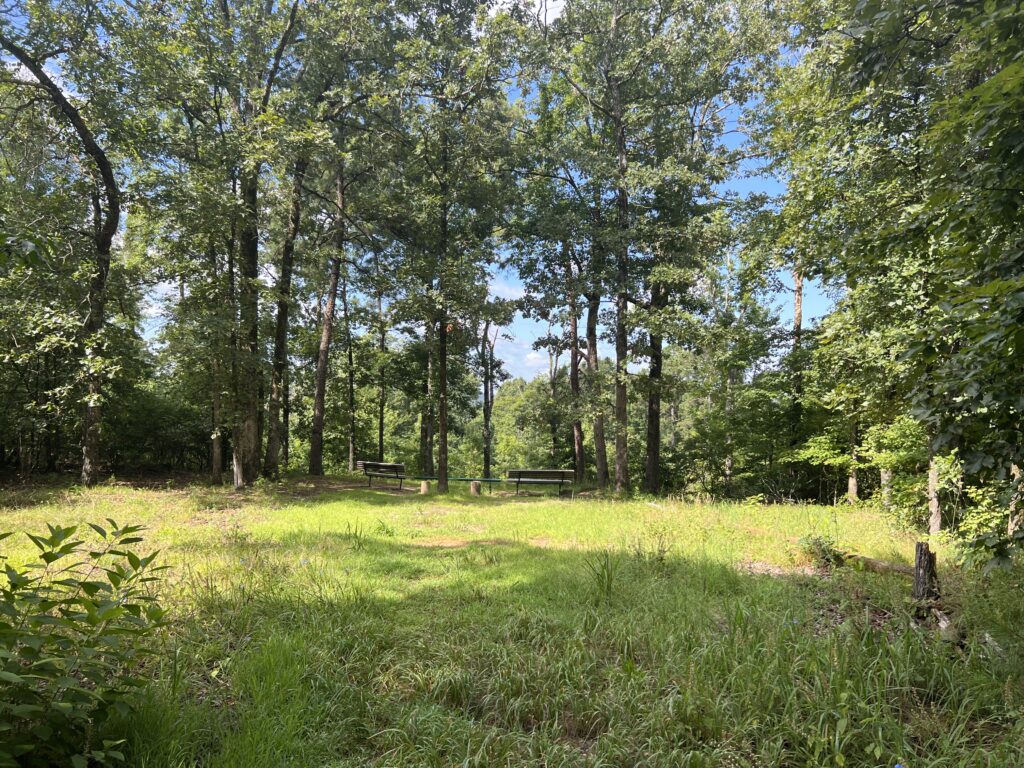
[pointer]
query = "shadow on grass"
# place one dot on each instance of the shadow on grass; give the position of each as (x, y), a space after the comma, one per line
(350, 649)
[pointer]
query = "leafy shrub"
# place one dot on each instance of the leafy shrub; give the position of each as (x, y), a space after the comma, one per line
(821, 550)
(73, 624)
(992, 550)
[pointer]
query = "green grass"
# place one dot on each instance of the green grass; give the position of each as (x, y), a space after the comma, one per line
(317, 625)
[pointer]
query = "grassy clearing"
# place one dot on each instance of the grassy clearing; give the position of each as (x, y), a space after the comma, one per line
(322, 625)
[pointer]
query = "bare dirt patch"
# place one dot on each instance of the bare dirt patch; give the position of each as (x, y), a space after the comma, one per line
(761, 568)
(453, 543)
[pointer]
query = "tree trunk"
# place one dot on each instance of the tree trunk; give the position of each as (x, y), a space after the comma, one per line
(487, 367)
(246, 441)
(442, 327)
(553, 400)
(351, 371)
(105, 227)
(1016, 501)
(885, 481)
(427, 417)
(578, 458)
(316, 437)
(278, 379)
(593, 361)
(652, 470)
(382, 393)
(286, 411)
(442, 401)
(621, 286)
(852, 494)
(934, 504)
(727, 409)
(217, 421)
(795, 356)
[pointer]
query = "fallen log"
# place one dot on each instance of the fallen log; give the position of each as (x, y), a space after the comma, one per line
(877, 566)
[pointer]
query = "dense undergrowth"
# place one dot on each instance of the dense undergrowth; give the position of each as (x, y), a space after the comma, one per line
(326, 626)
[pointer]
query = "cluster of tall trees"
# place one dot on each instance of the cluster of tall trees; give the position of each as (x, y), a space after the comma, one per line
(264, 235)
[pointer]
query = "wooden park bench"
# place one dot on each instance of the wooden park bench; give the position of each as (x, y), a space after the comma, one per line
(374, 469)
(557, 477)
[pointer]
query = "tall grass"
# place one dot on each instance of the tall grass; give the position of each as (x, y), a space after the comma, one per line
(370, 628)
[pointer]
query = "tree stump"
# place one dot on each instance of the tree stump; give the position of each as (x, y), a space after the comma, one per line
(474, 488)
(424, 486)
(926, 581)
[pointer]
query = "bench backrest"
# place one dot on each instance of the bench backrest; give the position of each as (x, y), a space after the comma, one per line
(381, 468)
(554, 475)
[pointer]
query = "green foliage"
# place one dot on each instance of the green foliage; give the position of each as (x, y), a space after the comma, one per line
(75, 625)
(821, 550)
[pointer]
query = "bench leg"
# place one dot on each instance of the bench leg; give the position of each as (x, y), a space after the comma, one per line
(400, 481)
(369, 481)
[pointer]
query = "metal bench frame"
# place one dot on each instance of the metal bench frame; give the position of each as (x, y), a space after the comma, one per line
(559, 477)
(374, 469)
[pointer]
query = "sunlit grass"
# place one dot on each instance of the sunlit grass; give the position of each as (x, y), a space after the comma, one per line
(325, 625)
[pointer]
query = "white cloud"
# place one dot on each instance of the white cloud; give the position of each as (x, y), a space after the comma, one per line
(504, 288)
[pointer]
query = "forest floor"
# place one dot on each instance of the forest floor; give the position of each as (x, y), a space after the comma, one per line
(319, 623)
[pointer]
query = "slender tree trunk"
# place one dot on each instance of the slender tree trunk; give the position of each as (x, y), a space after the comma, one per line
(286, 412)
(246, 438)
(885, 481)
(553, 395)
(216, 425)
(487, 368)
(278, 379)
(427, 419)
(593, 361)
(216, 401)
(579, 460)
(442, 402)
(316, 437)
(795, 354)
(350, 373)
(622, 288)
(730, 386)
(382, 393)
(1016, 501)
(442, 326)
(652, 470)
(852, 494)
(934, 504)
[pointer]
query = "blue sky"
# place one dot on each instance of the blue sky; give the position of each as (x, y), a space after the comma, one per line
(521, 359)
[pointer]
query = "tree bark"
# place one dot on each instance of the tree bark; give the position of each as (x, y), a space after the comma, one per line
(1016, 501)
(350, 371)
(382, 393)
(316, 437)
(553, 395)
(593, 362)
(652, 470)
(934, 504)
(487, 367)
(442, 402)
(278, 379)
(579, 460)
(852, 493)
(885, 481)
(795, 355)
(105, 227)
(621, 285)
(245, 442)
(427, 417)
